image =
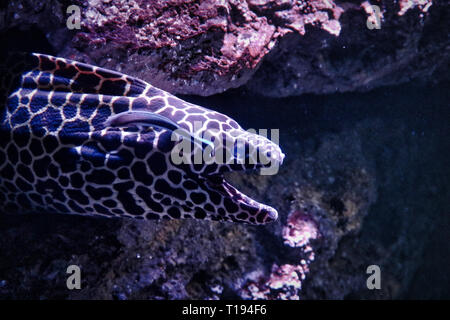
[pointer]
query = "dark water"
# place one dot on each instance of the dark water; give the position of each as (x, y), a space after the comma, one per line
(405, 134)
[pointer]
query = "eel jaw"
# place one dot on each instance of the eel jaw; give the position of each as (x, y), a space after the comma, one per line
(238, 206)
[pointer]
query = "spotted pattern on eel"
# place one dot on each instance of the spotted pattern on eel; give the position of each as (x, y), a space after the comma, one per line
(57, 153)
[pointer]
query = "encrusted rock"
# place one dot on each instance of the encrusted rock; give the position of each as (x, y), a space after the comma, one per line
(274, 47)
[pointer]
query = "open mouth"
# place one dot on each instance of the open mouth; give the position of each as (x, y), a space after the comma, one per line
(238, 206)
(244, 152)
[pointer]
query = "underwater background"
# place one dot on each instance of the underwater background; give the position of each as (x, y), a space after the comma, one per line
(363, 116)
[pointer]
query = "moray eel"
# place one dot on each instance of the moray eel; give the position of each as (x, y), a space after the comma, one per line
(80, 139)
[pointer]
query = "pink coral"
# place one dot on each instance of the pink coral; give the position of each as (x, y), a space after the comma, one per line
(405, 5)
(300, 229)
(222, 37)
(285, 281)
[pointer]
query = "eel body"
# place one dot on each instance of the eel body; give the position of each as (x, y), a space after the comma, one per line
(79, 139)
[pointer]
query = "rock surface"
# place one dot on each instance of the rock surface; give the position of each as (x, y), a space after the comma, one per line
(273, 47)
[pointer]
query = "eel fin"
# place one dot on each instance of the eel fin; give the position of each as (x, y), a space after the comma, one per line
(59, 74)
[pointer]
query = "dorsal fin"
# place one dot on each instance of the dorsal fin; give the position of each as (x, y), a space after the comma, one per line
(69, 85)
(59, 74)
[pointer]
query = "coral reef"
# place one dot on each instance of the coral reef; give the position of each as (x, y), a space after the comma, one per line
(406, 5)
(273, 47)
(300, 229)
(195, 44)
(285, 281)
